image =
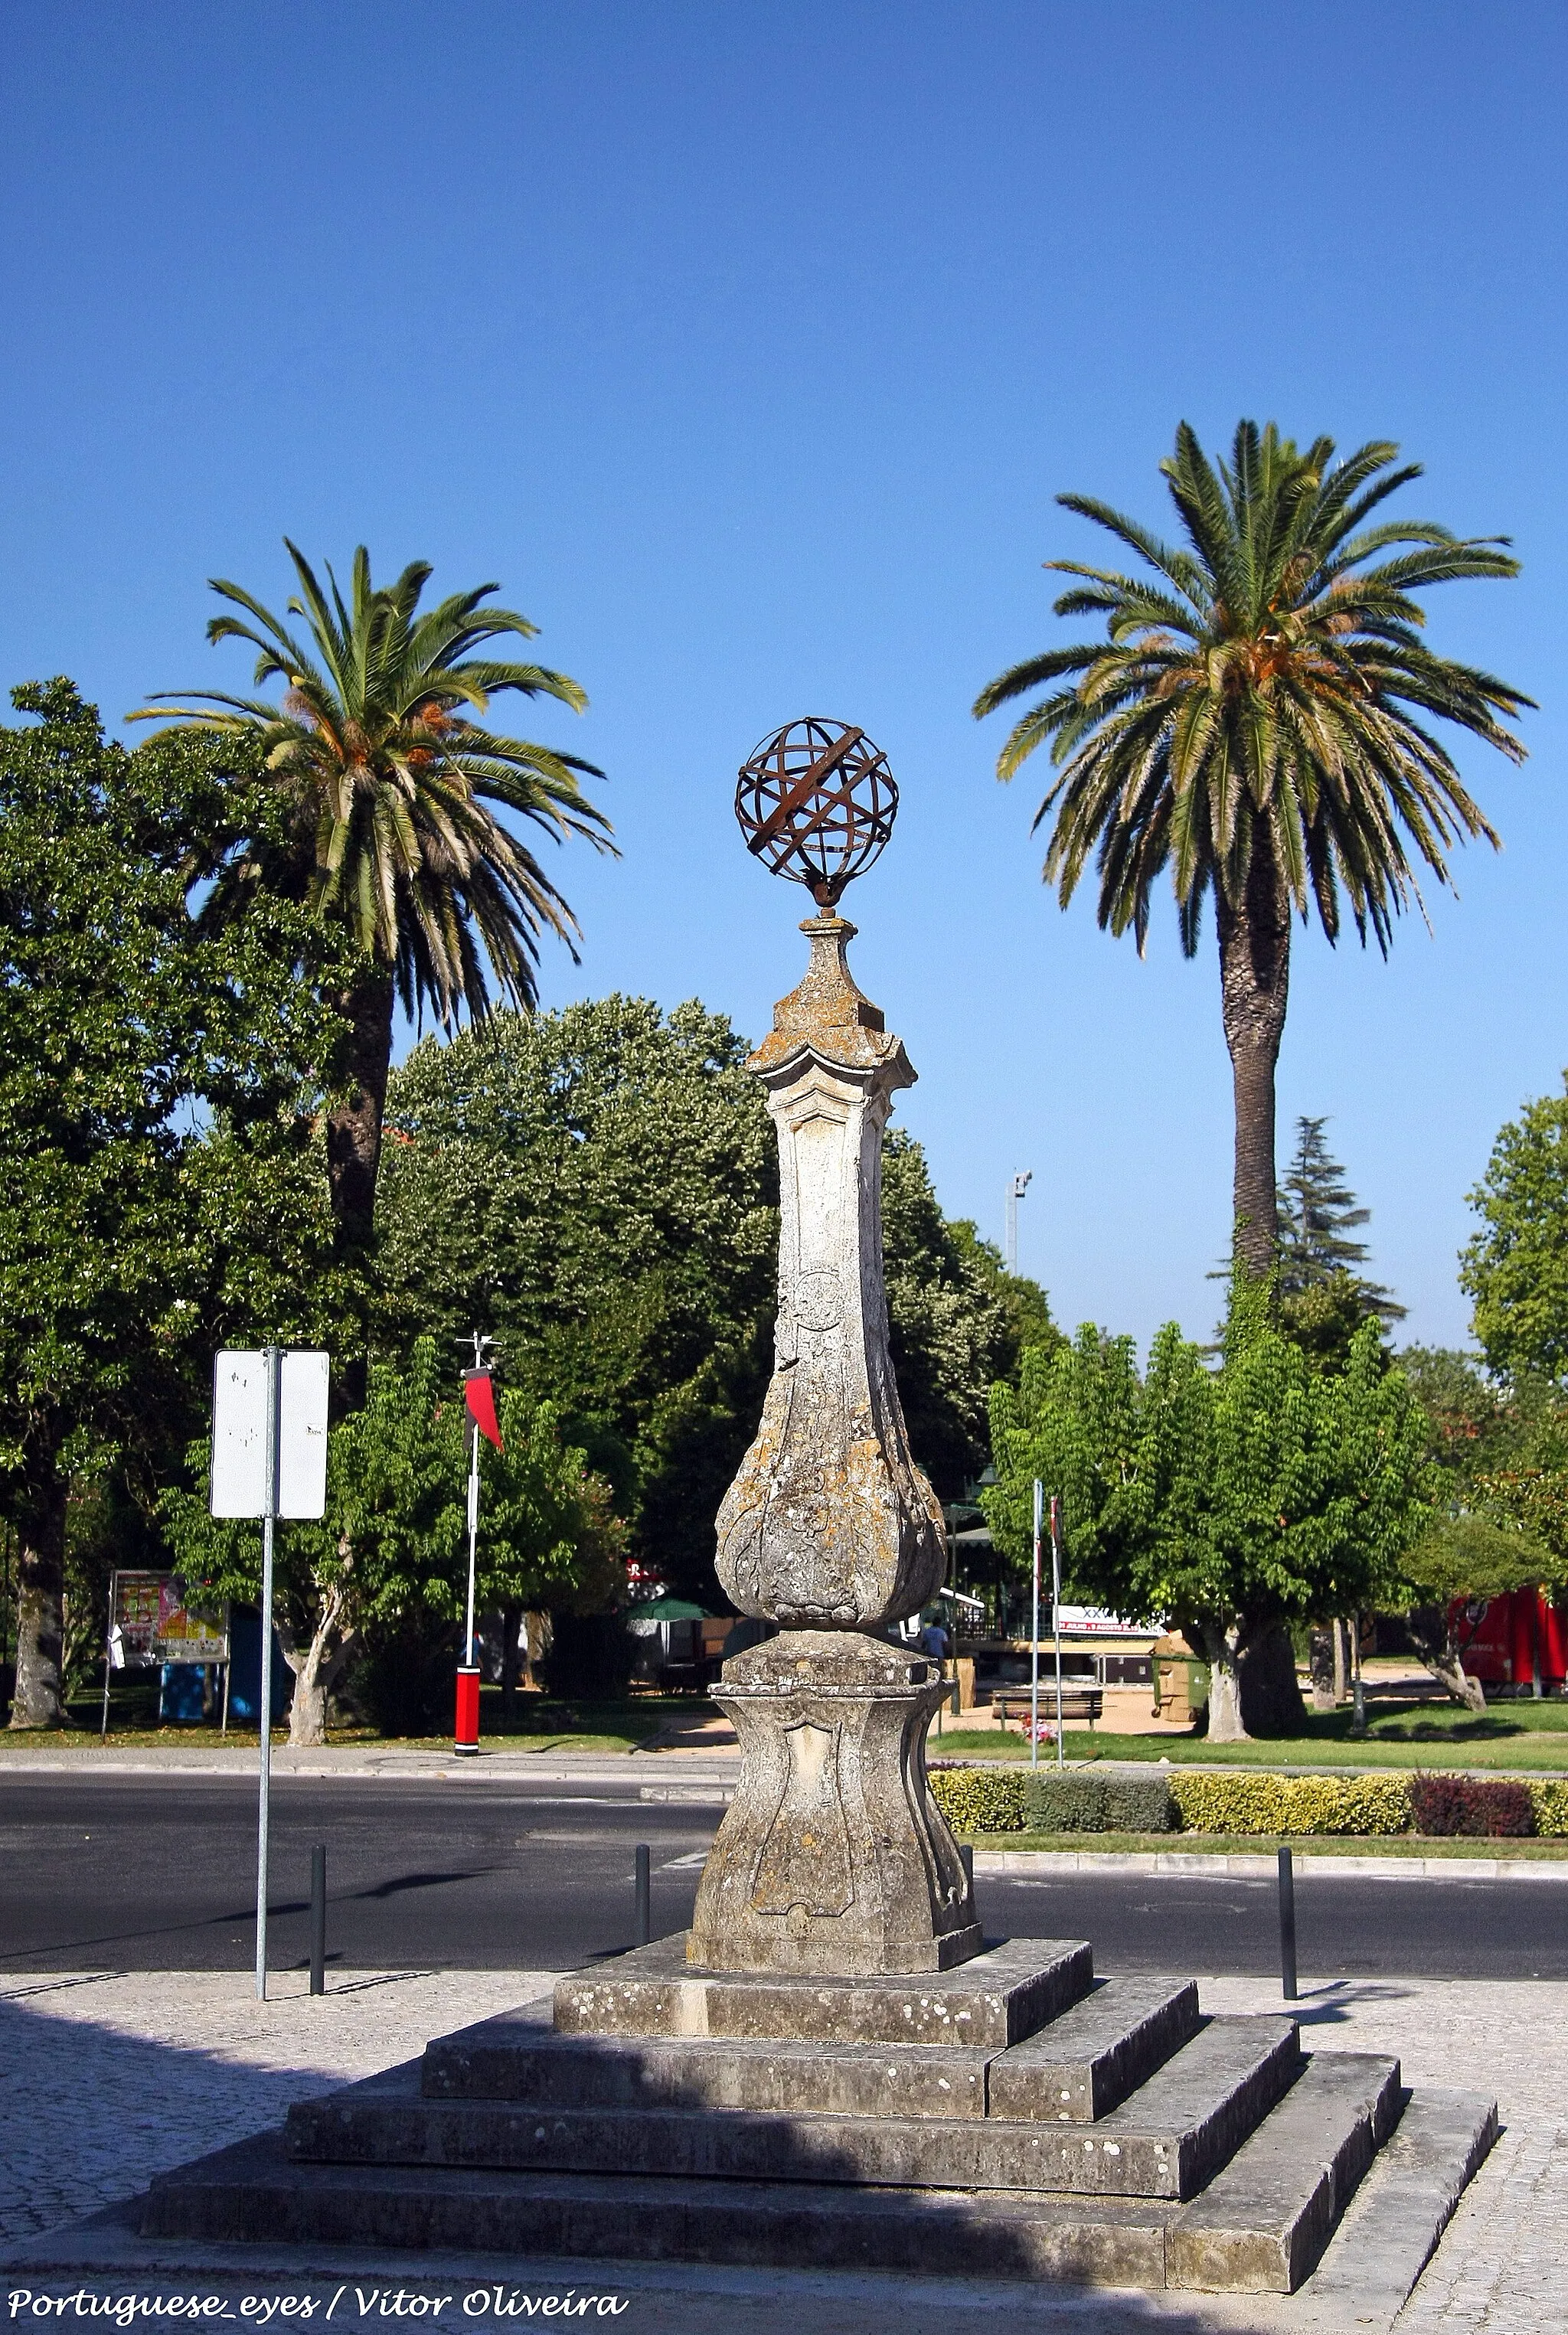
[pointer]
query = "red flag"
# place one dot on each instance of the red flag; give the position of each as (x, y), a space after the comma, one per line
(480, 1394)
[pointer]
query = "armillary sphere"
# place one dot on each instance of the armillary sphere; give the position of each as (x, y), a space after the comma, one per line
(817, 802)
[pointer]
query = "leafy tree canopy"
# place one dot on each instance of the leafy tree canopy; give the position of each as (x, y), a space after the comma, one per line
(597, 1189)
(1515, 1269)
(161, 1085)
(390, 1551)
(1231, 1500)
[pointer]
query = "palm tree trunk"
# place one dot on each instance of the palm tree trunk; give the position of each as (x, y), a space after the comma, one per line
(1254, 936)
(354, 1130)
(38, 1699)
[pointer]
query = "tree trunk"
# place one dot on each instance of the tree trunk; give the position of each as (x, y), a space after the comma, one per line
(1434, 1642)
(38, 1700)
(1255, 937)
(354, 1138)
(1321, 1655)
(1271, 1698)
(511, 1624)
(1341, 1663)
(1221, 1649)
(316, 1663)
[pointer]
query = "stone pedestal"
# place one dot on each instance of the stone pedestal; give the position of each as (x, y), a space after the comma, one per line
(833, 1859)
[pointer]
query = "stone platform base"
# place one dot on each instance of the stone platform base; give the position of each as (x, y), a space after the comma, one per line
(1012, 2117)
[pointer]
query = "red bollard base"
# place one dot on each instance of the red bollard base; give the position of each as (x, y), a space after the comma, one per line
(467, 1738)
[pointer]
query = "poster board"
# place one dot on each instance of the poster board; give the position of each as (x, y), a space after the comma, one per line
(150, 1623)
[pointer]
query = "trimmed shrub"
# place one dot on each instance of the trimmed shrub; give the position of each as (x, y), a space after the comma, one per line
(1469, 1806)
(1243, 1803)
(979, 1799)
(1063, 1801)
(1550, 1801)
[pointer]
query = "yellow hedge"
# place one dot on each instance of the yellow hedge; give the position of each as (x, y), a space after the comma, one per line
(979, 1799)
(1551, 1803)
(1239, 1802)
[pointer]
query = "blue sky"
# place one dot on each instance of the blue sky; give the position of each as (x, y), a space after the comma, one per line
(747, 346)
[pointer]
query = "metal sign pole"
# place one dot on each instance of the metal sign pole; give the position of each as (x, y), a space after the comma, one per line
(108, 1658)
(1055, 1610)
(274, 1357)
(1034, 1637)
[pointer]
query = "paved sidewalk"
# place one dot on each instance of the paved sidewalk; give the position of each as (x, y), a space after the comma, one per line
(104, 2081)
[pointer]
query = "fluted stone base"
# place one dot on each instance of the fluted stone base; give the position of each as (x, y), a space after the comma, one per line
(833, 1858)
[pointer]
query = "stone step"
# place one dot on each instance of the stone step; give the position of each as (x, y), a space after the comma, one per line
(1084, 2063)
(255, 2194)
(533, 2066)
(1265, 2219)
(995, 1998)
(1166, 2142)
(1075, 2068)
(1404, 2205)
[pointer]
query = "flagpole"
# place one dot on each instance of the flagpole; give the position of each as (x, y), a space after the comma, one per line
(473, 1533)
(466, 1736)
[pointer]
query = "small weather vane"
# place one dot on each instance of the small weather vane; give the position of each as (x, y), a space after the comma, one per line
(816, 803)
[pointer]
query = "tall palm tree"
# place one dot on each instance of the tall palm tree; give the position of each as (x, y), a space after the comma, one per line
(392, 792)
(1256, 719)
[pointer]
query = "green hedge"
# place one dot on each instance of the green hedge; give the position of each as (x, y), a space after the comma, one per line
(1237, 1803)
(1070, 1800)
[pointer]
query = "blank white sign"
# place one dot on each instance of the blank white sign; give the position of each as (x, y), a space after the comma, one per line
(239, 1434)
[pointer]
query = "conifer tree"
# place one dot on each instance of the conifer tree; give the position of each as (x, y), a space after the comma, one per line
(1318, 1214)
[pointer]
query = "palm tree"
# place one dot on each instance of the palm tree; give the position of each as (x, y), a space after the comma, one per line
(1257, 719)
(392, 792)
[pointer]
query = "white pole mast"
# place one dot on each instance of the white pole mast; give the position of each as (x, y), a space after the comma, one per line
(1056, 1608)
(1034, 1636)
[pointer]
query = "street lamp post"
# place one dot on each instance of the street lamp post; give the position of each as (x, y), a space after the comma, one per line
(1017, 1186)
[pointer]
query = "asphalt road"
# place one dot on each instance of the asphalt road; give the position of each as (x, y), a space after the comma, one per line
(130, 1873)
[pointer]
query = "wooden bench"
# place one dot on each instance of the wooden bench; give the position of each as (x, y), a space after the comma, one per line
(1078, 1701)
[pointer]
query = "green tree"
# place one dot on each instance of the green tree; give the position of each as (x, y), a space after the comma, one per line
(1237, 1502)
(1514, 1268)
(159, 1082)
(394, 799)
(1498, 1454)
(390, 1551)
(1318, 1214)
(548, 1533)
(597, 1190)
(1257, 720)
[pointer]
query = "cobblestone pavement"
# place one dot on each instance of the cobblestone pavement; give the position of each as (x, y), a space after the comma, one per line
(105, 2080)
(1503, 2267)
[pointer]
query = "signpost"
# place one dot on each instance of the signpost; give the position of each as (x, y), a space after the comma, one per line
(269, 1461)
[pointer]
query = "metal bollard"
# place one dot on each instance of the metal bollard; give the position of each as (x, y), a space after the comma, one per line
(1287, 1926)
(644, 1897)
(318, 1919)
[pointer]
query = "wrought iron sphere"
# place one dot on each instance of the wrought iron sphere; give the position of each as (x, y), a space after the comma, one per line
(817, 802)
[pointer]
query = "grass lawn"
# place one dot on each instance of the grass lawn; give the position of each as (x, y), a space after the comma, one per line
(1215, 1843)
(538, 1726)
(1511, 1735)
